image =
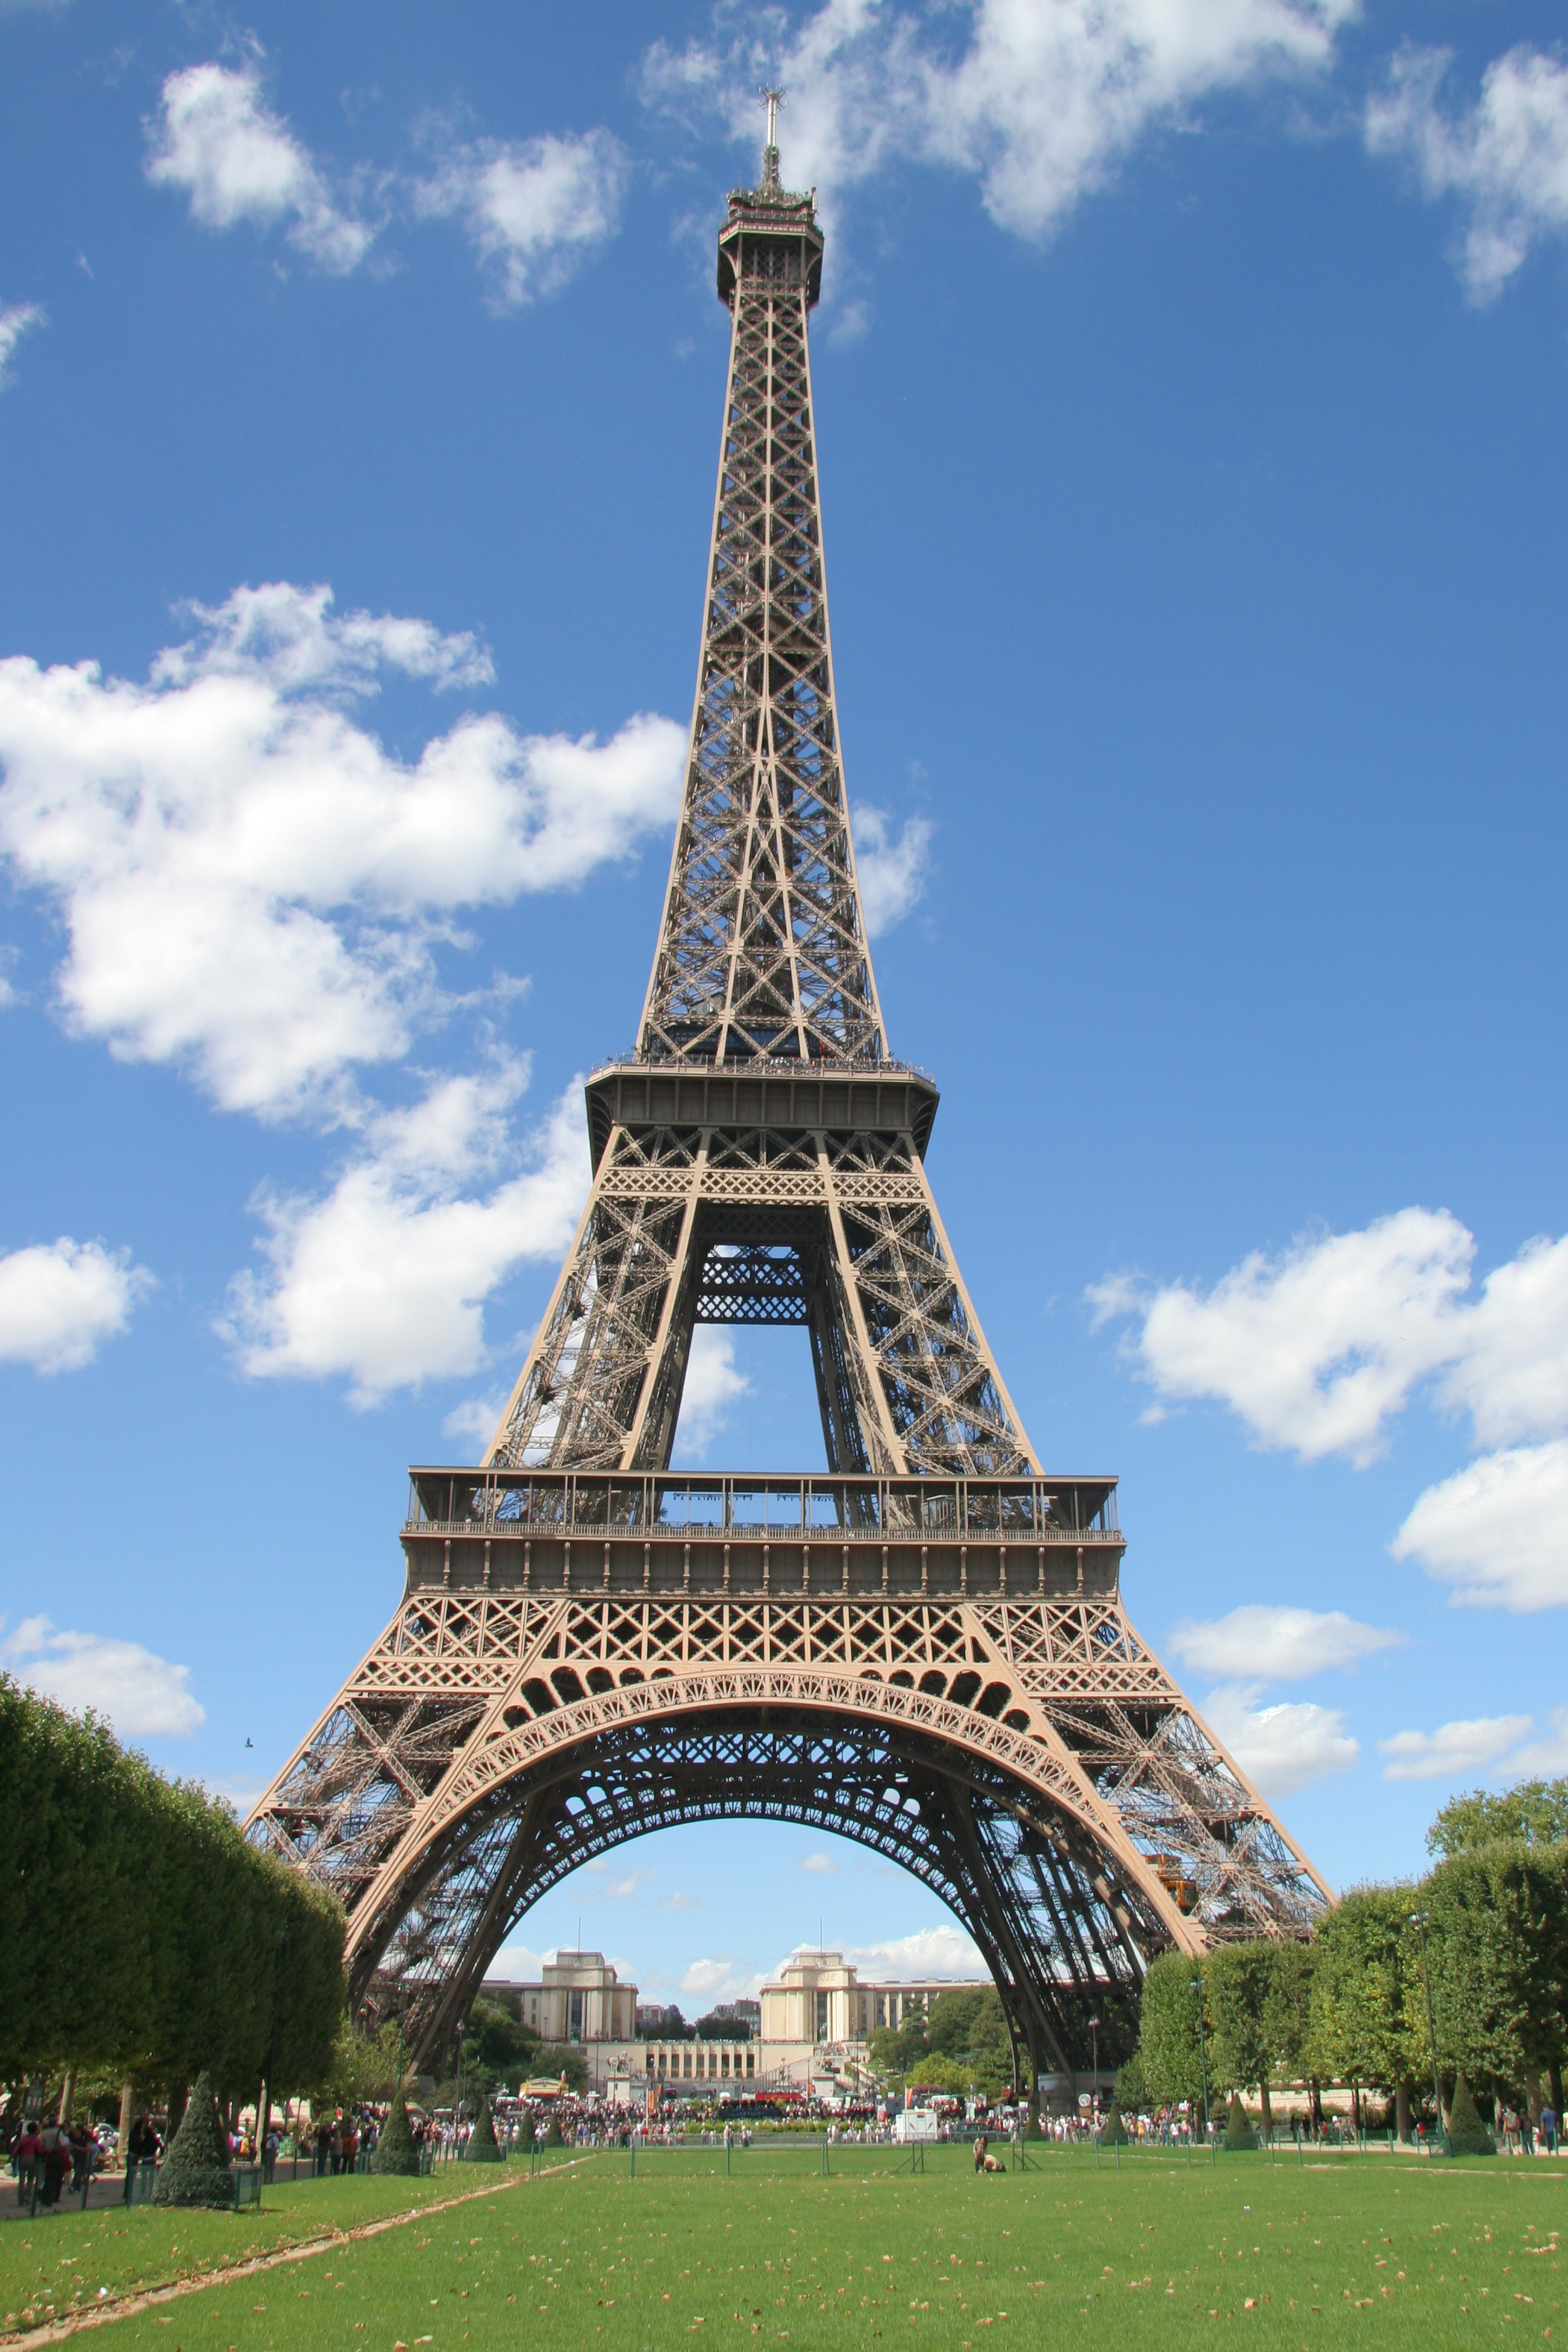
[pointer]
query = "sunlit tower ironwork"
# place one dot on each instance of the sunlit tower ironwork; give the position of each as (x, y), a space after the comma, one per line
(923, 1648)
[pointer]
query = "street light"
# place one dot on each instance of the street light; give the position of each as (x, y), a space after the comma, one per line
(1418, 1921)
(1196, 1985)
(1094, 2083)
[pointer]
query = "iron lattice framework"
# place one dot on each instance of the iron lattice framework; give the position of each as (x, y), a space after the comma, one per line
(924, 1650)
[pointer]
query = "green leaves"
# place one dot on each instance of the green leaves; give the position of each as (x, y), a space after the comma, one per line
(181, 1936)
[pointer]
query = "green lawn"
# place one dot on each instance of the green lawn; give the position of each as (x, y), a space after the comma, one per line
(56, 2262)
(1326, 2254)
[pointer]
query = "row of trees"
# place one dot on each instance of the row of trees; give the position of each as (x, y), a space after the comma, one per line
(1469, 1966)
(963, 2042)
(140, 1937)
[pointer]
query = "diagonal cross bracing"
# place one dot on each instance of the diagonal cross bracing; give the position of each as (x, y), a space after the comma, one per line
(924, 1650)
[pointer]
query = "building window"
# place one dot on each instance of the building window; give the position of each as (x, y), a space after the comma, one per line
(750, 2063)
(687, 2069)
(574, 2031)
(822, 2017)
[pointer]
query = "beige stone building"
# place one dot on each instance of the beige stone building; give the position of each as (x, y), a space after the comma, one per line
(816, 2022)
(577, 1999)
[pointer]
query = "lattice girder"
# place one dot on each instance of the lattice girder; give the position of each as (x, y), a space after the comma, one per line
(931, 1657)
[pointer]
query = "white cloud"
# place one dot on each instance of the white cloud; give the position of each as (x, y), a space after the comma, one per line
(216, 139)
(1541, 1759)
(1506, 158)
(251, 884)
(1282, 1747)
(1039, 100)
(1264, 1643)
(1497, 1531)
(1453, 1749)
(823, 1864)
(711, 1981)
(519, 1964)
(15, 323)
(141, 1696)
(678, 1901)
(1317, 1348)
(892, 869)
(625, 1888)
(1513, 1376)
(944, 1950)
(712, 1386)
(58, 1302)
(536, 210)
(239, 1789)
(385, 1279)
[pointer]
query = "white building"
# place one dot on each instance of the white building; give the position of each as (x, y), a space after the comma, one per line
(578, 1999)
(815, 2023)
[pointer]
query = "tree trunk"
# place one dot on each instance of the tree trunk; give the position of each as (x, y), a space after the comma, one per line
(1268, 2111)
(1315, 2093)
(68, 2094)
(127, 2117)
(1402, 2111)
(179, 2095)
(1554, 2074)
(1355, 2108)
(1532, 2098)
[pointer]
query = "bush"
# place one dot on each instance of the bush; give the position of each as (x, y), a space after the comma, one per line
(552, 2133)
(1113, 2132)
(196, 2169)
(1468, 2136)
(1238, 2131)
(395, 2150)
(1130, 2089)
(482, 2146)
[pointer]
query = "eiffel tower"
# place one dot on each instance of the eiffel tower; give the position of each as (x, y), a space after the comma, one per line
(924, 1647)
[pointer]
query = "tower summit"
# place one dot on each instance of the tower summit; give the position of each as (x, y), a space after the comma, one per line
(922, 1648)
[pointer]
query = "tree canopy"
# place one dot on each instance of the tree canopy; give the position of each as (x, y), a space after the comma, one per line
(183, 1940)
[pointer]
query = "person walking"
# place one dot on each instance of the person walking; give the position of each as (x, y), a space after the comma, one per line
(54, 2154)
(1549, 2127)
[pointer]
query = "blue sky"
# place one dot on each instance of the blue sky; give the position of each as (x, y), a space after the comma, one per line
(1190, 395)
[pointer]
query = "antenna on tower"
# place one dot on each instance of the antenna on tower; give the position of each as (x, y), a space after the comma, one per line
(774, 98)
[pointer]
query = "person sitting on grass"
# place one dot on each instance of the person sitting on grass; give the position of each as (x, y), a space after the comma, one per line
(983, 2160)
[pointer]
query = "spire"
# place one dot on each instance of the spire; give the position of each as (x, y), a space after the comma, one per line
(772, 186)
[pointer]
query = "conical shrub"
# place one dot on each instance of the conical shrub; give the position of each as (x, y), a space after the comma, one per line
(1238, 2131)
(395, 2150)
(196, 2169)
(1468, 2136)
(552, 2133)
(525, 2132)
(482, 2146)
(1113, 2131)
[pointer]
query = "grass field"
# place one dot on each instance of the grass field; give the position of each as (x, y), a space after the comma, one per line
(1346, 2251)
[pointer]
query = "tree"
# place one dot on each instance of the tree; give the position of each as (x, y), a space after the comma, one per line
(563, 2058)
(1244, 2052)
(1468, 2136)
(482, 2146)
(497, 2046)
(970, 2029)
(1497, 1948)
(935, 2073)
(1168, 2033)
(1367, 2019)
(395, 2150)
(715, 2028)
(183, 1939)
(666, 2024)
(1532, 1813)
(1129, 2090)
(197, 2171)
(1238, 2131)
(894, 2048)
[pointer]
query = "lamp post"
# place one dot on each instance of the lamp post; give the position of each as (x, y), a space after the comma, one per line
(458, 2095)
(1196, 1986)
(1418, 1921)
(1094, 2077)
